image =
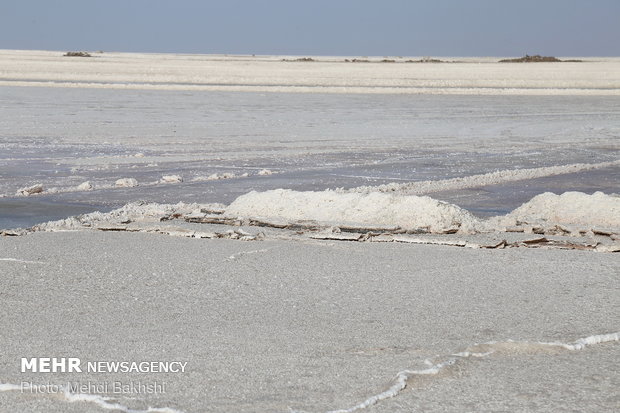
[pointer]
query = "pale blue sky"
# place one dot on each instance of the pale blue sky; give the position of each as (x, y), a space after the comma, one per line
(326, 27)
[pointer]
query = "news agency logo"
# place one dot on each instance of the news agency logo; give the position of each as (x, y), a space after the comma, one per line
(51, 365)
(75, 365)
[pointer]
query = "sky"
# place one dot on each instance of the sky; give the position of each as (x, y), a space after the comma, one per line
(317, 27)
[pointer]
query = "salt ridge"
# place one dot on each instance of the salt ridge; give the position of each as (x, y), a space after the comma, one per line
(408, 212)
(492, 178)
(573, 208)
(573, 213)
(411, 212)
(400, 382)
(21, 261)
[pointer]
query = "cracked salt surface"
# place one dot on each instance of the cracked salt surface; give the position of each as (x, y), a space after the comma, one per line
(477, 351)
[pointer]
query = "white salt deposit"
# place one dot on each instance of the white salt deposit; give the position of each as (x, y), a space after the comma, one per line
(85, 186)
(170, 179)
(219, 176)
(492, 178)
(21, 261)
(411, 212)
(379, 209)
(573, 212)
(132, 212)
(30, 190)
(126, 183)
(265, 172)
(572, 208)
(216, 176)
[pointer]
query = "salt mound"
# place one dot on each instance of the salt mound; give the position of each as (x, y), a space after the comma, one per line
(216, 176)
(132, 212)
(85, 186)
(596, 210)
(30, 190)
(475, 181)
(126, 183)
(171, 179)
(372, 209)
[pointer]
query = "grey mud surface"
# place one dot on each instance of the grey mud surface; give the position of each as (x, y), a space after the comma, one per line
(275, 326)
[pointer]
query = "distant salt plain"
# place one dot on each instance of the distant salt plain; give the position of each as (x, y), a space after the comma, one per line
(478, 76)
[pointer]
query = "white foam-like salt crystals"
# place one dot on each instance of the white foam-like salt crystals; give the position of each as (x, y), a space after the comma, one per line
(411, 212)
(219, 176)
(30, 190)
(171, 179)
(400, 382)
(576, 208)
(265, 172)
(574, 212)
(85, 186)
(126, 183)
(103, 402)
(135, 211)
(379, 209)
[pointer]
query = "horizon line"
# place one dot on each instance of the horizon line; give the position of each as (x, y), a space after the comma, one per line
(248, 54)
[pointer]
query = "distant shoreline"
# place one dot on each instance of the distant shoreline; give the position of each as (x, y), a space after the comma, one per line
(297, 57)
(310, 74)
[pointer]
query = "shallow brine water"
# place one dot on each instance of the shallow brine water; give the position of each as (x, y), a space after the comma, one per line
(225, 144)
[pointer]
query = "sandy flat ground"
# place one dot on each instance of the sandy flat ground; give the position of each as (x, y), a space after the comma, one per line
(310, 326)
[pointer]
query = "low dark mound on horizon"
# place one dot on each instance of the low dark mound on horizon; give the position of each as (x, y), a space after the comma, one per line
(424, 60)
(301, 59)
(427, 60)
(535, 59)
(77, 54)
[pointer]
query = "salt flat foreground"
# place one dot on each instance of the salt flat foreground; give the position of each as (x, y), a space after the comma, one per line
(310, 326)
